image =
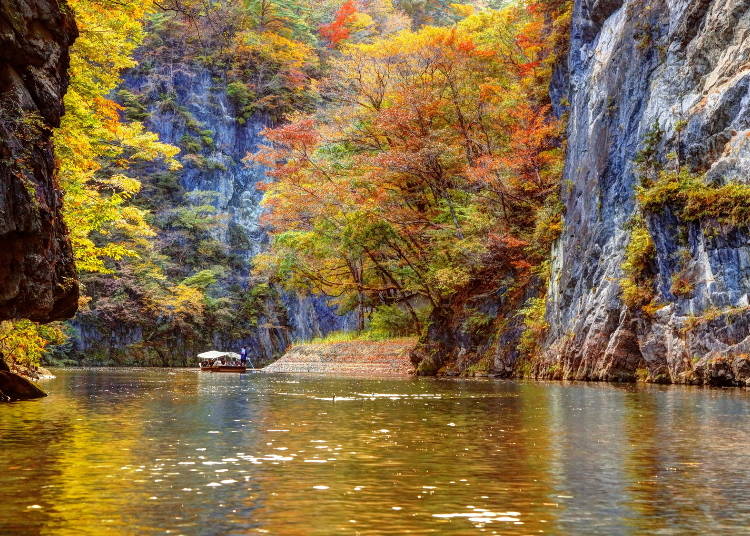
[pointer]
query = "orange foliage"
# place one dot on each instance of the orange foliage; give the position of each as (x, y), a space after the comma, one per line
(429, 168)
(338, 30)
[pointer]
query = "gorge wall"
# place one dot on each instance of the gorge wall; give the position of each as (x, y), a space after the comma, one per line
(633, 65)
(185, 100)
(37, 273)
(684, 65)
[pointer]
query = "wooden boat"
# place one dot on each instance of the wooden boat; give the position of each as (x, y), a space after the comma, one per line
(224, 368)
(215, 361)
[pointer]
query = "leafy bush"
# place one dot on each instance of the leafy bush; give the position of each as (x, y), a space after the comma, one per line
(191, 144)
(535, 322)
(243, 99)
(134, 106)
(392, 321)
(23, 342)
(638, 283)
(693, 200)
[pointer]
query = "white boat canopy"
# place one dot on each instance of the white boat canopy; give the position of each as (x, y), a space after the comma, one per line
(215, 354)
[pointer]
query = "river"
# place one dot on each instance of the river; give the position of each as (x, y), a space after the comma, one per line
(146, 451)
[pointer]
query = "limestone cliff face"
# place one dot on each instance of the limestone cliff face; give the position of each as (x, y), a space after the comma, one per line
(37, 273)
(632, 63)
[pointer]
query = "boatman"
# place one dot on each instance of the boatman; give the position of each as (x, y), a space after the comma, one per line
(243, 356)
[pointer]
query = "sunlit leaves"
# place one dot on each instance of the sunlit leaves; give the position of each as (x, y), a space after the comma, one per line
(24, 342)
(425, 172)
(95, 147)
(347, 21)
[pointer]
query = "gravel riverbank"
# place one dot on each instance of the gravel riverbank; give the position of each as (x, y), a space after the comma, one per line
(390, 357)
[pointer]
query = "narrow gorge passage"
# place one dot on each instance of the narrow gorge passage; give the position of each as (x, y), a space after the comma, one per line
(322, 267)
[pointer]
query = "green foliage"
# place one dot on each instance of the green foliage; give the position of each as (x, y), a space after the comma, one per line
(392, 321)
(534, 315)
(197, 217)
(203, 279)
(243, 98)
(693, 200)
(255, 300)
(134, 105)
(648, 160)
(191, 144)
(638, 281)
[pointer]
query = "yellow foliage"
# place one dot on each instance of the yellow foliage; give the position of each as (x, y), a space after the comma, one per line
(24, 342)
(463, 10)
(95, 148)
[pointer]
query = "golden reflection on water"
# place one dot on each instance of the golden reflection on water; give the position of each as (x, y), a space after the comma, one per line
(179, 452)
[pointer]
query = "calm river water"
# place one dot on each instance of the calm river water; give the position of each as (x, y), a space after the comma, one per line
(140, 451)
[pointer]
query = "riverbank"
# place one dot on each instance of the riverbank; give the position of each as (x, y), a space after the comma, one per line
(388, 357)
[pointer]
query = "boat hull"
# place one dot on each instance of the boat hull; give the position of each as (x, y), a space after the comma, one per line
(224, 368)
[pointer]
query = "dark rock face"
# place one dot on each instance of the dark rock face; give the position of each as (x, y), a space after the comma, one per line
(633, 63)
(14, 387)
(37, 272)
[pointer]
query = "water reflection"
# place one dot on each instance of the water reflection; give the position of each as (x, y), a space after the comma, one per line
(178, 452)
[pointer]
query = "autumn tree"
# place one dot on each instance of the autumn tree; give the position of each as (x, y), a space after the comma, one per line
(425, 175)
(95, 147)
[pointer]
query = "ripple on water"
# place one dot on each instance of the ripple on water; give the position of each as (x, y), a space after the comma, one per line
(511, 448)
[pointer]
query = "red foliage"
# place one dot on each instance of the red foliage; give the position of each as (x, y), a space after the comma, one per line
(338, 29)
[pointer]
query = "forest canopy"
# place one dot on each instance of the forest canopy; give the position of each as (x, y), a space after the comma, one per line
(435, 162)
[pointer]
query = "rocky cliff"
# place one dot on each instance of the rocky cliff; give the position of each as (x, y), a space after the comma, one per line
(187, 103)
(37, 272)
(635, 69)
(684, 66)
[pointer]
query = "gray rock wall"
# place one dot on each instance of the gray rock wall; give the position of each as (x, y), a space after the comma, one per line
(176, 96)
(632, 63)
(236, 181)
(37, 272)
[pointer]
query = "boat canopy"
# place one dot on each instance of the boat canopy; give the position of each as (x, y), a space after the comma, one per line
(215, 354)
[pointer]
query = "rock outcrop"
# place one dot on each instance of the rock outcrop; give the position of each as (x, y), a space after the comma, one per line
(37, 272)
(684, 64)
(14, 388)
